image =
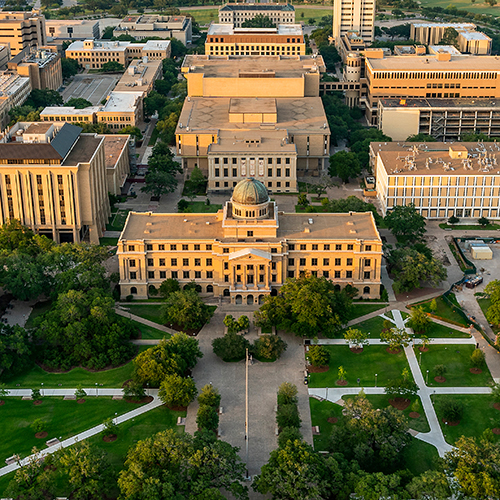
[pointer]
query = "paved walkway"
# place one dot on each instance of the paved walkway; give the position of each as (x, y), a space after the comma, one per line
(123, 312)
(89, 432)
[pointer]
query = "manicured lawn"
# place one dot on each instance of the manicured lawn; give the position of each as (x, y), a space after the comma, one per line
(373, 360)
(444, 310)
(150, 312)
(38, 309)
(63, 419)
(200, 207)
(479, 8)
(438, 331)
(154, 137)
(148, 332)
(359, 310)
(107, 378)
(117, 220)
(489, 227)
(373, 326)
(321, 411)
(484, 304)
(419, 456)
(478, 416)
(109, 242)
(456, 358)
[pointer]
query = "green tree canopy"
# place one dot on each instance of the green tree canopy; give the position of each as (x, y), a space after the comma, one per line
(69, 67)
(230, 347)
(135, 132)
(186, 309)
(177, 391)
(160, 178)
(419, 321)
(78, 103)
(344, 165)
(259, 21)
(15, 351)
(42, 98)
(406, 223)
(111, 67)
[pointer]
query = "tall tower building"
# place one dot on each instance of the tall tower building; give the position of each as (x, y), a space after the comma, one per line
(353, 15)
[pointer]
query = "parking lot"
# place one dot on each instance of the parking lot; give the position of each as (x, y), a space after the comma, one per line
(92, 87)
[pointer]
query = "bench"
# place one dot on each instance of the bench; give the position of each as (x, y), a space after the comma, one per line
(117, 397)
(221, 410)
(276, 431)
(315, 430)
(69, 396)
(12, 460)
(27, 398)
(52, 442)
(275, 408)
(181, 420)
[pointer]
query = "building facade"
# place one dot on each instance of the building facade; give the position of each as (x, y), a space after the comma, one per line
(72, 29)
(237, 13)
(22, 29)
(147, 25)
(94, 54)
(14, 90)
(247, 250)
(441, 180)
(285, 39)
(53, 179)
(353, 16)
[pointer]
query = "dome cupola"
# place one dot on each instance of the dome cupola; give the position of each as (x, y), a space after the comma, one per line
(250, 199)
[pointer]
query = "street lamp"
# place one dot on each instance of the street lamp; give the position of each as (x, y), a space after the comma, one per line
(420, 361)
(327, 393)
(42, 389)
(376, 379)
(96, 390)
(427, 378)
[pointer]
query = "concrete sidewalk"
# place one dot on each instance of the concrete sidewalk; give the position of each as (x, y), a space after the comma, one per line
(123, 312)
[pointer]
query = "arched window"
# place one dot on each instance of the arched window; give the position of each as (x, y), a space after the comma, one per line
(133, 290)
(210, 289)
(366, 289)
(226, 292)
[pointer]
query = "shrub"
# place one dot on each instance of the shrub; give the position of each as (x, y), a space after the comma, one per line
(129, 298)
(433, 305)
(342, 374)
(177, 391)
(38, 426)
(207, 418)
(231, 347)
(110, 427)
(387, 325)
(35, 394)
(288, 434)
(209, 396)
(440, 370)
(288, 416)
(318, 355)
(80, 393)
(269, 347)
(415, 407)
(451, 409)
(287, 393)
(182, 205)
(133, 390)
(477, 358)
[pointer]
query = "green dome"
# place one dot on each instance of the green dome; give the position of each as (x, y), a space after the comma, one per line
(250, 192)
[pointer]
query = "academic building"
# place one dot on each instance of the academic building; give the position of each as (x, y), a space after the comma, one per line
(247, 116)
(285, 39)
(22, 29)
(460, 179)
(14, 90)
(248, 249)
(237, 13)
(54, 179)
(353, 16)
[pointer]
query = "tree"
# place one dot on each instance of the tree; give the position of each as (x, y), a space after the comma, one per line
(3, 392)
(271, 313)
(173, 465)
(477, 358)
(288, 434)
(135, 132)
(231, 324)
(318, 355)
(431, 485)
(186, 309)
(419, 321)
(269, 347)
(342, 374)
(420, 138)
(406, 223)
(450, 37)
(375, 486)
(196, 183)
(69, 67)
(168, 286)
(433, 306)
(38, 426)
(207, 418)
(259, 21)
(15, 351)
(209, 396)
(177, 391)
(288, 416)
(78, 103)
(133, 390)
(396, 338)
(287, 393)
(451, 409)
(35, 394)
(440, 370)
(111, 67)
(80, 393)
(492, 289)
(160, 178)
(356, 338)
(483, 221)
(41, 98)
(230, 347)
(403, 387)
(344, 165)
(319, 477)
(453, 220)
(182, 205)
(110, 427)
(495, 392)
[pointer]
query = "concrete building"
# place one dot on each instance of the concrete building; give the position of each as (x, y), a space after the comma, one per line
(237, 13)
(4, 55)
(147, 25)
(72, 29)
(14, 90)
(443, 119)
(117, 157)
(469, 40)
(440, 179)
(70, 114)
(353, 16)
(22, 29)
(42, 66)
(257, 103)
(248, 249)
(140, 76)
(285, 39)
(93, 54)
(53, 179)
(122, 109)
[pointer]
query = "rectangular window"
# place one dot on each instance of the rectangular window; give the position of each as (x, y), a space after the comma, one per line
(209, 262)
(326, 262)
(226, 265)
(151, 262)
(261, 278)
(185, 247)
(273, 266)
(291, 246)
(151, 274)
(226, 172)
(163, 275)
(337, 262)
(348, 274)
(162, 262)
(291, 262)
(197, 262)
(302, 262)
(368, 262)
(249, 234)
(225, 250)
(314, 262)
(273, 278)
(149, 247)
(131, 248)
(210, 275)
(173, 262)
(226, 278)
(175, 275)
(185, 262)
(185, 275)
(197, 275)
(366, 275)
(209, 247)
(303, 247)
(161, 247)
(274, 250)
(132, 262)
(133, 275)
(350, 247)
(197, 247)
(337, 274)
(173, 248)
(368, 248)
(326, 274)
(250, 278)
(238, 278)
(348, 262)
(235, 172)
(338, 247)
(326, 247)
(315, 247)
(217, 172)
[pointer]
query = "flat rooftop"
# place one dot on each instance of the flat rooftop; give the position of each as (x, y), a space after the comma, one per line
(433, 158)
(83, 150)
(447, 104)
(232, 66)
(474, 35)
(38, 128)
(258, 6)
(100, 45)
(69, 110)
(113, 148)
(444, 25)
(122, 101)
(252, 141)
(154, 226)
(203, 114)
(444, 49)
(10, 83)
(281, 29)
(430, 63)
(138, 76)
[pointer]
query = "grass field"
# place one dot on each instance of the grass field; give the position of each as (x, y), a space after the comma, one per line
(488, 227)
(148, 332)
(484, 304)
(63, 419)
(438, 331)
(109, 242)
(360, 309)
(456, 358)
(108, 378)
(373, 326)
(150, 312)
(117, 220)
(200, 207)
(444, 310)
(479, 8)
(373, 360)
(478, 416)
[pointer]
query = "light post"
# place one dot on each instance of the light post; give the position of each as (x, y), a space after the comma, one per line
(420, 361)
(96, 390)
(427, 378)
(376, 379)
(42, 390)
(327, 393)
(147, 389)
(116, 418)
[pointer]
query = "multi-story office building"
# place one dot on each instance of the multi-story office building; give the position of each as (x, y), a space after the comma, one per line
(440, 179)
(4, 55)
(122, 109)
(72, 29)
(53, 179)
(22, 29)
(42, 66)
(443, 119)
(140, 76)
(247, 250)
(117, 157)
(70, 114)
(272, 100)
(92, 54)
(353, 16)
(147, 25)
(14, 90)
(225, 39)
(237, 13)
